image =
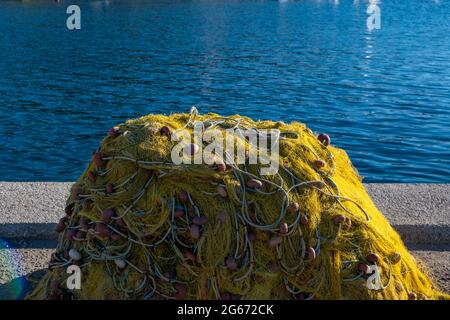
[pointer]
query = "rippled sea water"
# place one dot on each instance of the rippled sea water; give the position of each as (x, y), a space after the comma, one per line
(384, 95)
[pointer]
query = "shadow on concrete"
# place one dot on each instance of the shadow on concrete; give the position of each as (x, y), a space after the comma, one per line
(19, 231)
(410, 233)
(424, 234)
(31, 244)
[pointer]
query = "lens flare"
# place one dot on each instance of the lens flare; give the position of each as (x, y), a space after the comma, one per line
(11, 284)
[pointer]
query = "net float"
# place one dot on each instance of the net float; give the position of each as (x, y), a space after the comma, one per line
(91, 176)
(364, 268)
(75, 193)
(254, 184)
(183, 196)
(251, 236)
(412, 296)
(396, 257)
(69, 209)
(87, 204)
(189, 255)
(181, 292)
(124, 230)
(107, 214)
(115, 236)
(165, 131)
(191, 149)
(324, 139)
(221, 167)
(283, 228)
(222, 191)
(74, 254)
(310, 254)
(80, 235)
(121, 223)
(120, 263)
(304, 220)
(70, 234)
(319, 164)
(339, 219)
(372, 257)
(109, 188)
(274, 241)
(293, 207)
(194, 230)
(179, 211)
(97, 158)
(61, 225)
(222, 217)
(200, 220)
(114, 132)
(231, 263)
(84, 225)
(102, 230)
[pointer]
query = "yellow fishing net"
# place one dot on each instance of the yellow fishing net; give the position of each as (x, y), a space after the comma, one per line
(141, 227)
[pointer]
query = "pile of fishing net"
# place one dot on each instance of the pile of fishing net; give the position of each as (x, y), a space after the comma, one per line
(140, 226)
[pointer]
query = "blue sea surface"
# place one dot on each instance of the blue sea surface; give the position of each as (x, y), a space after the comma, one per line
(382, 95)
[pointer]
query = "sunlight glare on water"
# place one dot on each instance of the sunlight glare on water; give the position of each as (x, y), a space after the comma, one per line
(383, 95)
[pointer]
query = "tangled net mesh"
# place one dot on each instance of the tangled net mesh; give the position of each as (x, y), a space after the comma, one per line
(141, 227)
